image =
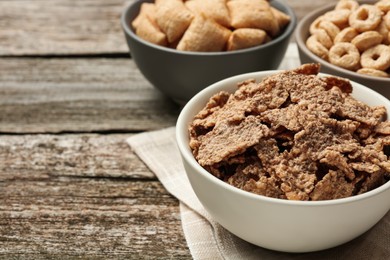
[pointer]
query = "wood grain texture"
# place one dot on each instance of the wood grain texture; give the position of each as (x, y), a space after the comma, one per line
(41, 157)
(69, 27)
(65, 216)
(46, 27)
(79, 95)
(83, 195)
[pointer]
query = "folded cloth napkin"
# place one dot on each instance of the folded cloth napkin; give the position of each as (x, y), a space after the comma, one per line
(206, 239)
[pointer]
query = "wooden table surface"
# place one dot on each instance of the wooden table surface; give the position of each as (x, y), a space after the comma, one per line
(70, 187)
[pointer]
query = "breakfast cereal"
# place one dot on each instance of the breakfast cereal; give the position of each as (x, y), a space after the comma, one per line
(253, 14)
(365, 18)
(294, 136)
(204, 35)
(373, 72)
(377, 57)
(351, 5)
(367, 40)
(214, 9)
(317, 48)
(383, 5)
(246, 37)
(346, 35)
(146, 27)
(173, 18)
(345, 55)
(206, 26)
(365, 26)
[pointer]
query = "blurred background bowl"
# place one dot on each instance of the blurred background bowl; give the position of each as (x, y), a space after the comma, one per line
(182, 74)
(381, 85)
(278, 224)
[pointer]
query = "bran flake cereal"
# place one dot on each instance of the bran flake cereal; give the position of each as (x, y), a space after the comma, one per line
(294, 136)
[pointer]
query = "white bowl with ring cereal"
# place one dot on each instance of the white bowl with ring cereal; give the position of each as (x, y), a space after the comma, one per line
(274, 223)
(350, 39)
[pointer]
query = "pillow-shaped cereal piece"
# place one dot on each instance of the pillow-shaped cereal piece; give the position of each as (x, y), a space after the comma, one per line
(149, 31)
(267, 38)
(253, 14)
(147, 9)
(173, 18)
(213, 9)
(245, 38)
(204, 35)
(282, 18)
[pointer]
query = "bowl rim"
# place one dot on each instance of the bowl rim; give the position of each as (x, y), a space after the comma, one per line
(186, 154)
(301, 44)
(288, 31)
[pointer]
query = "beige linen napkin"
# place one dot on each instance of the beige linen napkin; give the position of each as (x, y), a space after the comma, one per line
(206, 239)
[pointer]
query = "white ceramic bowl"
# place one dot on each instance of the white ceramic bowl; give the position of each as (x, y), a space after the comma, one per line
(290, 226)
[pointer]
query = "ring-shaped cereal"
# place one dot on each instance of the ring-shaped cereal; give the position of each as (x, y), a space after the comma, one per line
(377, 57)
(384, 31)
(351, 5)
(317, 48)
(383, 5)
(346, 35)
(367, 40)
(386, 18)
(331, 29)
(338, 17)
(373, 72)
(315, 25)
(365, 18)
(345, 55)
(323, 37)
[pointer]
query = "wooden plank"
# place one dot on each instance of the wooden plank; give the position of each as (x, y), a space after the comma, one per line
(41, 157)
(39, 95)
(87, 195)
(63, 27)
(89, 218)
(46, 27)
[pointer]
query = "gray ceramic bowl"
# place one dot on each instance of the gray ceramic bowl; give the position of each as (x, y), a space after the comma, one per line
(381, 85)
(181, 74)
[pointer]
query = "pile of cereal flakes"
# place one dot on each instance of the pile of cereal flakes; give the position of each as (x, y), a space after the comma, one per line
(294, 136)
